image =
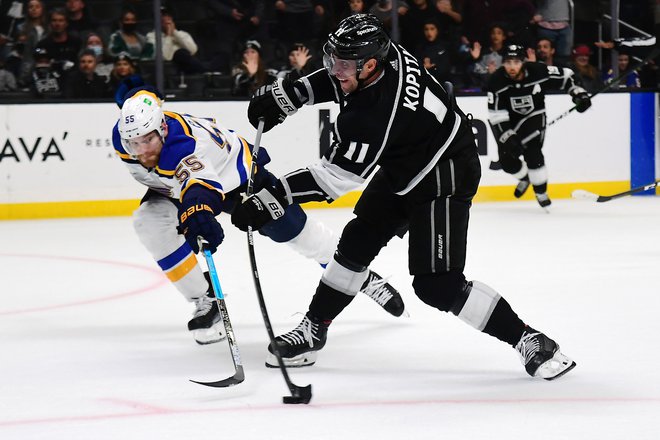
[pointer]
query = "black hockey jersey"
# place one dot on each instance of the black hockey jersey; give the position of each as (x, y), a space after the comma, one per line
(404, 122)
(512, 103)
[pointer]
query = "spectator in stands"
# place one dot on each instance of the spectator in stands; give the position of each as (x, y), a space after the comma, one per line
(383, 10)
(28, 33)
(7, 79)
(412, 23)
(62, 47)
(178, 45)
(104, 63)
(546, 53)
(124, 69)
(436, 53)
(485, 62)
(299, 63)
(632, 80)
(85, 83)
(518, 16)
(552, 20)
(298, 20)
(128, 40)
(449, 17)
(252, 72)
(586, 73)
(80, 20)
(477, 18)
(231, 22)
(45, 79)
(353, 7)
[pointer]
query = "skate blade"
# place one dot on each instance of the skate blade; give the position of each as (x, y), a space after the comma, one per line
(211, 335)
(302, 360)
(556, 367)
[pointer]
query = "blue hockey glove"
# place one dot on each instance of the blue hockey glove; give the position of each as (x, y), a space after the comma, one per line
(257, 210)
(199, 221)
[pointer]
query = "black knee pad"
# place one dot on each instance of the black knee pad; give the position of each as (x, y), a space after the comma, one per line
(361, 241)
(441, 290)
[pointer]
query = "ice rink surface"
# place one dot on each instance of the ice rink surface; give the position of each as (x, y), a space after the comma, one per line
(93, 339)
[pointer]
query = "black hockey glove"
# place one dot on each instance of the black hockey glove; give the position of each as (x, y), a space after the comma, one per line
(273, 102)
(511, 143)
(582, 102)
(259, 209)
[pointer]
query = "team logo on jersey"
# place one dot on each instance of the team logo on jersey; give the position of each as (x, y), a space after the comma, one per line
(522, 104)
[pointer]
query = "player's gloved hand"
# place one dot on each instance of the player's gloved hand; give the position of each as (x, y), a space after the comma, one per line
(511, 144)
(257, 210)
(582, 102)
(198, 220)
(273, 102)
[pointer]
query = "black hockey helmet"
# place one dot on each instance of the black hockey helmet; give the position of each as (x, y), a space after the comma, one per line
(514, 51)
(358, 37)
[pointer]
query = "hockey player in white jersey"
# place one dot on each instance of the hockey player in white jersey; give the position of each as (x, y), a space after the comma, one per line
(195, 169)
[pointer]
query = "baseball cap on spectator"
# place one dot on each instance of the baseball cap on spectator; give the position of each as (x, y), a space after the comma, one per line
(164, 10)
(581, 50)
(124, 56)
(252, 44)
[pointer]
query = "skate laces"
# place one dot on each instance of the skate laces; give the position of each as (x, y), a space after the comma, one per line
(528, 346)
(305, 333)
(378, 290)
(203, 305)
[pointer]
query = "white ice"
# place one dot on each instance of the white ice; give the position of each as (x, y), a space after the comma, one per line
(93, 343)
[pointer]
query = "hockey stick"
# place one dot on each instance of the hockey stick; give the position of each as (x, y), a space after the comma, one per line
(239, 375)
(298, 394)
(586, 195)
(495, 165)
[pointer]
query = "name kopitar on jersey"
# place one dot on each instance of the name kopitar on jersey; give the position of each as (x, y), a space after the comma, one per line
(412, 75)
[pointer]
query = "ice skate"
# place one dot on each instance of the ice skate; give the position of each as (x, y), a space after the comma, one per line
(299, 347)
(544, 200)
(378, 289)
(541, 356)
(206, 325)
(521, 188)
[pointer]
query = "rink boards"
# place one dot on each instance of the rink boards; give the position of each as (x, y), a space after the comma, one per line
(57, 160)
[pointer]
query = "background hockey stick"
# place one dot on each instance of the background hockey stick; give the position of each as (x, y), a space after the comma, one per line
(586, 195)
(298, 394)
(495, 165)
(239, 375)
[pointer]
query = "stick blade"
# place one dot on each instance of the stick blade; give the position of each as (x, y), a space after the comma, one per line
(581, 194)
(300, 395)
(229, 382)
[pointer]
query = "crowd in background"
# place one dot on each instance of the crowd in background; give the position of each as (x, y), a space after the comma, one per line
(84, 49)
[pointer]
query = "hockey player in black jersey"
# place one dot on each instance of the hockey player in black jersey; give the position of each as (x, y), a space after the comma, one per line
(516, 113)
(395, 115)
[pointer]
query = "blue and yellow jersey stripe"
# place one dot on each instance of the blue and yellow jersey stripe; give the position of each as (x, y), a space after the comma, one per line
(179, 263)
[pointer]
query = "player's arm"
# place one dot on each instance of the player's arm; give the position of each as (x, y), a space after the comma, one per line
(565, 79)
(500, 123)
(282, 98)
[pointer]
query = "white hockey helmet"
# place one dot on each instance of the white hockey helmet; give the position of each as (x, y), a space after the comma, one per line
(141, 114)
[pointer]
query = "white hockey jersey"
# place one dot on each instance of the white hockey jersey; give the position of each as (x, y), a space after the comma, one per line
(196, 151)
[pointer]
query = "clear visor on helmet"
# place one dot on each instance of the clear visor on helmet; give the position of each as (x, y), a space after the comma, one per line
(145, 144)
(342, 69)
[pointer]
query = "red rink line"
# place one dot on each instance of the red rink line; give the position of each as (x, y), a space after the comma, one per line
(161, 279)
(150, 411)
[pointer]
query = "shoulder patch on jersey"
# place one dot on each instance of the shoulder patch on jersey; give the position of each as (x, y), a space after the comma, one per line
(179, 143)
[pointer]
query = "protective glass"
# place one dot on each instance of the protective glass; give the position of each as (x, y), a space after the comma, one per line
(338, 67)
